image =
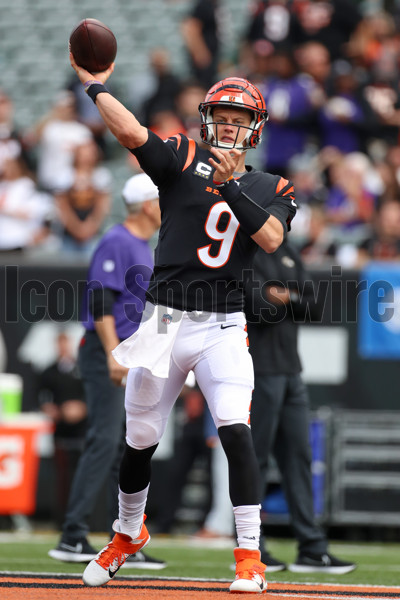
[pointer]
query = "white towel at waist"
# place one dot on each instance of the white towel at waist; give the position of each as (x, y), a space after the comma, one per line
(151, 345)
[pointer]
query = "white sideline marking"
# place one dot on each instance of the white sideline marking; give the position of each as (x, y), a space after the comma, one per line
(349, 587)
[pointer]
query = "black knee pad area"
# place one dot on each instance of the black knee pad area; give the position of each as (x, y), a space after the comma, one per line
(135, 469)
(237, 443)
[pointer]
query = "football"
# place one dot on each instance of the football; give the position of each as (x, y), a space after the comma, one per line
(93, 45)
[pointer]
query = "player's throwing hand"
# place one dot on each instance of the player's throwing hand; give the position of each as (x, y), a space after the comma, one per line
(85, 76)
(228, 162)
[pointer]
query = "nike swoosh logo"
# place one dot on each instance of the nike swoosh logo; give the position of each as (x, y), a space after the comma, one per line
(111, 573)
(77, 548)
(226, 326)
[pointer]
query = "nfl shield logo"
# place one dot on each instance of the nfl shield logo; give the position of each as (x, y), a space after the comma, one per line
(166, 319)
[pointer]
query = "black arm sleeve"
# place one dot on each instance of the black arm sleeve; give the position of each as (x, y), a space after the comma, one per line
(101, 302)
(250, 215)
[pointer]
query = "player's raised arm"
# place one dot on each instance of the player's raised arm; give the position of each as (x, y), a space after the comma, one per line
(119, 120)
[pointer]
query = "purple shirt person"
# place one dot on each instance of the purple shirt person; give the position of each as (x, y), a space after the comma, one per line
(290, 100)
(341, 121)
(343, 118)
(122, 263)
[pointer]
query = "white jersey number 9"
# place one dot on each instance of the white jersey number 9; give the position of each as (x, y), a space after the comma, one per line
(226, 237)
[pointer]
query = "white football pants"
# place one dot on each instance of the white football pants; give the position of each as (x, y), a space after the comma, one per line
(214, 346)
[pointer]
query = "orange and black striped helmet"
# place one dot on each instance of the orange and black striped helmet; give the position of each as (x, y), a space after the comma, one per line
(233, 92)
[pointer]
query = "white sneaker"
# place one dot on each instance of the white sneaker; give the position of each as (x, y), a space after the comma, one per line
(109, 560)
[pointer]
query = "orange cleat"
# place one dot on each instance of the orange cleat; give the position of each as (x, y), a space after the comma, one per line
(250, 571)
(109, 560)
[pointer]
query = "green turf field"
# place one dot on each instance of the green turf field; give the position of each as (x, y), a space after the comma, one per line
(378, 564)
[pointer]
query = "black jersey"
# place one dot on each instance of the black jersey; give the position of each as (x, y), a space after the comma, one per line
(202, 251)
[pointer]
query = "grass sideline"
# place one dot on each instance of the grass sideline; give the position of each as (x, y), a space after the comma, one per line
(378, 564)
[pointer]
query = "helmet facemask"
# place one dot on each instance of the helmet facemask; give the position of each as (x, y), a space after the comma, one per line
(212, 130)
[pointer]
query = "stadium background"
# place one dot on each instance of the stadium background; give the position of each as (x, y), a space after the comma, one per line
(34, 59)
(34, 68)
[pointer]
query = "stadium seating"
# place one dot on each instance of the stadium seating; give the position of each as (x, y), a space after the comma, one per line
(34, 35)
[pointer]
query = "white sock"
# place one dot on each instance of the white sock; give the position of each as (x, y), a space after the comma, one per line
(248, 523)
(131, 511)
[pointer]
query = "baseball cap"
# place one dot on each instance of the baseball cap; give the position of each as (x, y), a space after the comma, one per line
(138, 189)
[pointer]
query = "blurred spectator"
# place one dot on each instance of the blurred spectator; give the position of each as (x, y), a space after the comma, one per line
(25, 213)
(314, 62)
(381, 95)
(55, 138)
(304, 172)
(85, 201)
(314, 66)
(156, 88)
(179, 116)
(61, 398)
(290, 103)
(88, 114)
(319, 246)
(330, 22)
(392, 159)
(270, 20)
(166, 85)
(384, 242)
(355, 188)
(283, 22)
(166, 123)
(11, 145)
(343, 119)
(201, 31)
(389, 177)
(187, 106)
(254, 61)
(375, 50)
(374, 43)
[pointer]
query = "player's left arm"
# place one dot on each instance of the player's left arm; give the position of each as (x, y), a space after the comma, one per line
(266, 226)
(270, 236)
(281, 210)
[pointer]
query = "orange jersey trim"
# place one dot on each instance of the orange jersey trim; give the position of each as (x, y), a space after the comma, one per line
(191, 153)
(289, 191)
(282, 183)
(178, 138)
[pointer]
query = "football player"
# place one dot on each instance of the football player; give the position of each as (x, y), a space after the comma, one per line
(215, 210)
